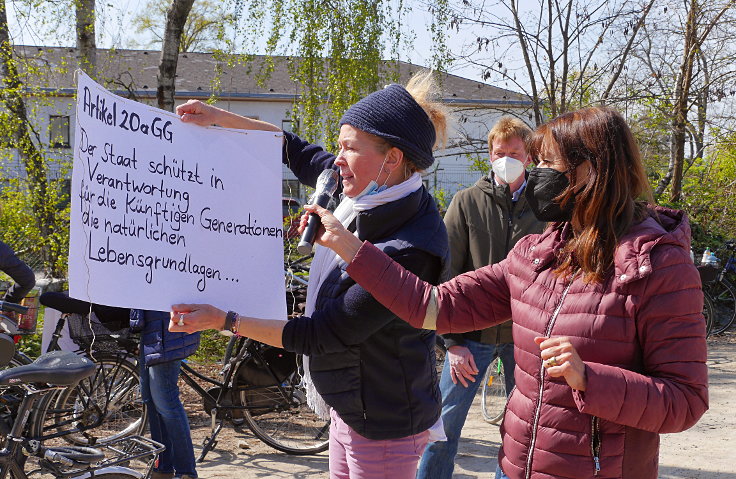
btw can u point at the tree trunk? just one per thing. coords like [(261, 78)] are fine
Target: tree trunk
[(86, 44), (176, 17), (18, 129), (680, 106)]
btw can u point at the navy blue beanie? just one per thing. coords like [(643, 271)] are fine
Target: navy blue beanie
[(394, 115)]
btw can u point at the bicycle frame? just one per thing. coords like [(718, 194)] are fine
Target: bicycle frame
[(17, 445), (227, 385)]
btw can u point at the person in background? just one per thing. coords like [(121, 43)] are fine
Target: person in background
[(22, 275), (607, 308), (373, 375), (483, 223), (161, 352)]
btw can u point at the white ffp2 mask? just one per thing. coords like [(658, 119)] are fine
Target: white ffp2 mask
[(507, 169)]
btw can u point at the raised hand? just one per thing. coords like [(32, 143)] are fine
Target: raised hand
[(199, 113)]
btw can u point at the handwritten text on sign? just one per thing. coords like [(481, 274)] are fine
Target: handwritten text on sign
[(165, 212)]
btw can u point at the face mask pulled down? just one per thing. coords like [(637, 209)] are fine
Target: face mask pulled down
[(542, 187), (507, 169), (372, 188)]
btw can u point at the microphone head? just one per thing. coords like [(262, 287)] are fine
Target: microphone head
[(327, 182)]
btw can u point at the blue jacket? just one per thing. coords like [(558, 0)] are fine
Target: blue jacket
[(159, 344), (378, 374)]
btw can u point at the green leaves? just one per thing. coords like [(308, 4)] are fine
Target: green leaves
[(335, 52)]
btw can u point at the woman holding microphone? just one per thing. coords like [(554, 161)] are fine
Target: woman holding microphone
[(371, 372)]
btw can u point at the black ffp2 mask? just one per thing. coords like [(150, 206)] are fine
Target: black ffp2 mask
[(542, 187)]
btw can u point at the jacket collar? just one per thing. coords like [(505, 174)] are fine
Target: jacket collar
[(632, 258), (381, 221), (502, 193)]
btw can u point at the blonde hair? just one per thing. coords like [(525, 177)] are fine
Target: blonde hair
[(509, 127), (424, 89)]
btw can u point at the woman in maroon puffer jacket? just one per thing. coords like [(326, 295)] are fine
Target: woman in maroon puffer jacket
[(606, 305)]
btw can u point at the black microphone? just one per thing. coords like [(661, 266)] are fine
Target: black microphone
[(326, 187)]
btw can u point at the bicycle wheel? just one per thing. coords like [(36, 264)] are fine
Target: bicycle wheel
[(102, 408), (723, 295), (493, 395), (440, 351), (281, 418), (11, 397), (708, 313), (12, 470)]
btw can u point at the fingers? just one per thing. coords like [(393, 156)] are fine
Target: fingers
[(191, 106), (194, 111), (318, 210), (189, 318), (471, 364), (462, 365), (560, 359), (457, 374)]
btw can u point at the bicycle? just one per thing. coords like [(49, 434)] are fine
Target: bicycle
[(708, 274), (722, 293), (38, 380), (262, 385), (493, 394), (107, 405)]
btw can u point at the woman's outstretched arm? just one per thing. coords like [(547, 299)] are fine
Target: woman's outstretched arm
[(469, 302)]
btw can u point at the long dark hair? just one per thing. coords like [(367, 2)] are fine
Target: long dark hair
[(607, 205)]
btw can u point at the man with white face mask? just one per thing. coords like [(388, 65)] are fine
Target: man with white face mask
[(483, 223)]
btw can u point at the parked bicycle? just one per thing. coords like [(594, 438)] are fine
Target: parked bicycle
[(721, 291), (107, 405), (493, 394), (24, 453), (708, 274), (262, 385)]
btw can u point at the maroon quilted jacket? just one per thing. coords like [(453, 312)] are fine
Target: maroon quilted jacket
[(640, 333)]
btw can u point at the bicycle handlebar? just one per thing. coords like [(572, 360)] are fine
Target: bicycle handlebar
[(17, 308)]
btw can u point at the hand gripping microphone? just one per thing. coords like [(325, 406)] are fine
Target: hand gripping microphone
[(326, 187)]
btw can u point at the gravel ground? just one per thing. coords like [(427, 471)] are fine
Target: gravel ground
[(703, 452)]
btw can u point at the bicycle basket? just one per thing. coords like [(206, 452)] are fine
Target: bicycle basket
[(90, 334), (27, 321), (708, 273)]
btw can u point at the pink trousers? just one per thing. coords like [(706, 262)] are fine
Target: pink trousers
[(354, 457)]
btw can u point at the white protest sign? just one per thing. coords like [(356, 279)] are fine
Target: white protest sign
[(165, 212)]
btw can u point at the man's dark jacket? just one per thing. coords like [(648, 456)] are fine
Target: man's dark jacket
[(483, 224)]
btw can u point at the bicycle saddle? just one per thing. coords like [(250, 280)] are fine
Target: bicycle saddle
[(60, 368), (64, 303), (113, 317)]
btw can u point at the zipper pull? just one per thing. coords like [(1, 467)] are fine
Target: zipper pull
[(597, 465)]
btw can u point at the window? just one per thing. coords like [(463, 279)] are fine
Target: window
[(291, 188), (288, 125), (59, 131)]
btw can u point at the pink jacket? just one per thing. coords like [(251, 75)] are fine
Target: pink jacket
[(641, 335)]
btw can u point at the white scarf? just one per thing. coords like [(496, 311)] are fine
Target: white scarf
[(325, 260)]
